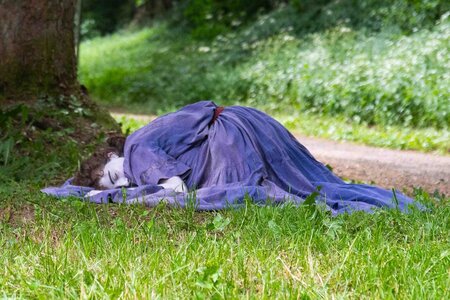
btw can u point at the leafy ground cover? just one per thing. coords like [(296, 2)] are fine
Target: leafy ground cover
[(46, 138), (375, 77)]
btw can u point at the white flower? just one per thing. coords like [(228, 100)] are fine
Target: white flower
[(204, 49)]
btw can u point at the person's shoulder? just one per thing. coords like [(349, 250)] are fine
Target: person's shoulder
[(184, 118)]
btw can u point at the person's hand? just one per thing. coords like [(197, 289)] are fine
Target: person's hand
[(93, 193), (175, 183)]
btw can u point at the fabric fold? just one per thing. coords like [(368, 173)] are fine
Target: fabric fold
[(243, 153)]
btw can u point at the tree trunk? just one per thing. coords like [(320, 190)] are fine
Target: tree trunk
[(78, 20), (37, 52), (39, 91)]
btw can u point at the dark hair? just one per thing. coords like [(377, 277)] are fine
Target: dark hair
[(91, 170)]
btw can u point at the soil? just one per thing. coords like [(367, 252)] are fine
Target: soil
[(403, 170)]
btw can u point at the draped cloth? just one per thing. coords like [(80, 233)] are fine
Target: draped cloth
[(224, 158)]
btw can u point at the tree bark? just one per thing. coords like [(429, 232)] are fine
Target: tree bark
[(78, 20), (41, 100), (37, 48)]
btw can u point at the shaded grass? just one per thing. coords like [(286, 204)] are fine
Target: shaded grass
[(68, 248), (46, 138)]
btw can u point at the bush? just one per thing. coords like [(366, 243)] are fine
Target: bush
[(100, 17), (373, 78), (274, 63), (209, 18), (406, 15)]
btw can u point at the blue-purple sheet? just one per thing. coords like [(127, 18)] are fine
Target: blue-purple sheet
[(244, 152)]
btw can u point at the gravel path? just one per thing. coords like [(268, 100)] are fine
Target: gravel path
[(384, 167)]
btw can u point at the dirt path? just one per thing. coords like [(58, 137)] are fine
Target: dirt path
[(384, 167)]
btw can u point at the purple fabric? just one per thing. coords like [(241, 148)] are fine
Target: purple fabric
[(243, 153)]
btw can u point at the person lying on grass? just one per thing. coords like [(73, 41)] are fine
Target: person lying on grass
[(105, 169), (225, 153)]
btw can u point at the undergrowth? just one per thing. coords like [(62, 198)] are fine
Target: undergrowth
[(374, 76), (45, 139)]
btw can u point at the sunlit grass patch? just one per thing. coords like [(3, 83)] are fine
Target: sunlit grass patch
[(396, 137), (69, 248)]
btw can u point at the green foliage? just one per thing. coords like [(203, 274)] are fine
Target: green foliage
[(209, 18), (405, 16), (122, 69), (100, 17), (397, 137), (369, 78), (373, 78), (44, 141)]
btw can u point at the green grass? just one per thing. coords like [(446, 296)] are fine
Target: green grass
[(382, 88), (54, 249), (396, 137)]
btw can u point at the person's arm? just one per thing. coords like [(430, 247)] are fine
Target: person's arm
[(175, 183), (151, 165)]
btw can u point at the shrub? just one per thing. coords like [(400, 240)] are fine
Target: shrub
[(209, 18), (406, 15), (374, 77), (371, 78)]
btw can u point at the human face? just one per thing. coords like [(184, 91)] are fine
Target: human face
[(113, 175)]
